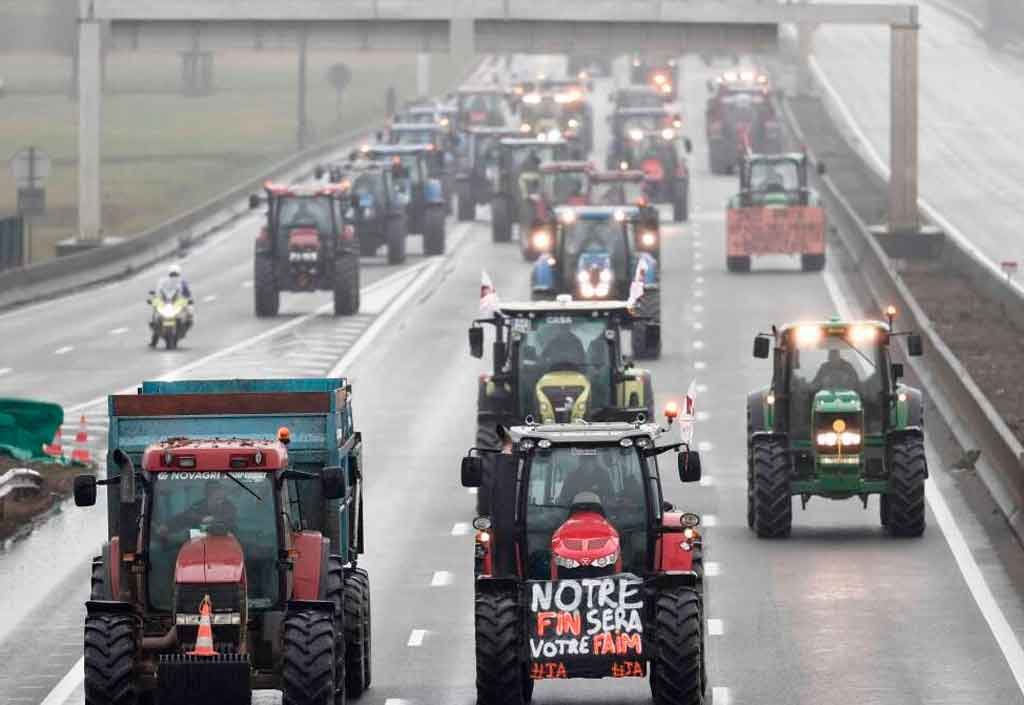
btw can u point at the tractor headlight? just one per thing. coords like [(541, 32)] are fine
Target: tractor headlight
[(525, 128), (648, 239), (605, 276), (368, 212), (808, 335), (574, 123), (668, 133), (605, 561), (636, 135), (541, 240), (563, 562), (666, 88)]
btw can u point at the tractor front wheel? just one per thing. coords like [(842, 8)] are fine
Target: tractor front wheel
[(397, 233), (676, 671), (467, 206), (433, 231), (264, 286), (308, 665), (501, 224), (357, 631), (346, 285), (501, 678), (904, 505), (110, 646), (773, 504), (681, 204)]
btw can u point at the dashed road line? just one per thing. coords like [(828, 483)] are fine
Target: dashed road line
[(716, 627), (461, 528), (709, 520), (698, 345), (697, 325), (64, 350), (700, 365), (209, 298), (416, 637), (119, 331), (5, 371), (705, 446), (720, 695), (712, 569), (442, 578)]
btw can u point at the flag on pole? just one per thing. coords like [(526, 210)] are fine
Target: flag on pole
[(636, 287), (488, 295)]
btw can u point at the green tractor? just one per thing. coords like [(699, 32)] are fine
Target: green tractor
[(836, 422)]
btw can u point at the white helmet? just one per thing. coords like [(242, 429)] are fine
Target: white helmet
[(174, 270)]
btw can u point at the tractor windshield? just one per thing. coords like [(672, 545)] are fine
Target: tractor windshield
[(564, 360), (639, 99), (588, 239), (305, 212), (557, 475), (370, 185), (412, 136), (779, 175), (616, 193), (530, 158), (835, 363), (189, 506), (565, 187), (483, 103)]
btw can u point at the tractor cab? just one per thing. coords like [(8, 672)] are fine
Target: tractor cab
[(624, 187), (434, 136), (840, 419), (414, 185), (307, 244), (478, 167), (741, 119), (583, 562), (636, 97), (559, 110), (560, 361), (519, 162), (480, 106), (777, 179), (559, 184), (649, 140)]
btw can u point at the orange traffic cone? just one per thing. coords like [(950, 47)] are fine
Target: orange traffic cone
[(81, 451), (56, 448), (204, 637)]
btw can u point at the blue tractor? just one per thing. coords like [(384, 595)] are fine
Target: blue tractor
[(424, 195)]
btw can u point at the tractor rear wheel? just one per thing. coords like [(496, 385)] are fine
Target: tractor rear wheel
[(467, 206), (681, 205), (812, 263), (98, 581), (336, 594), (501, 678), (501, 223), (433, 231), (737, 264), (883, 509), (110, 645), (773, 504), (648, 305), (308, 665), (676, 672), (357, 631), (346, 285), (907, 472), (397, 233), (264, 286), (368, 246)]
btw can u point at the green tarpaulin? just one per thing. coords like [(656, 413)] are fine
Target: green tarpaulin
[(27, 426)]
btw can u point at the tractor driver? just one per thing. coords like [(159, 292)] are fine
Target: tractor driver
[(214, 507), (590, 475), (836, 373)]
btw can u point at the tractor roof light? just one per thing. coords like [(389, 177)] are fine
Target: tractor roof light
[(659, 78), (620, 216), (862, 334), (808, 335), (671, 411), (532, 99), (636, 135), (668, 133), (541, 240), (624, 166), (284, 435), (568, 217), (525, 127)]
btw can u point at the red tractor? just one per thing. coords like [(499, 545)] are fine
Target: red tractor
[(559, 184), (741, 119), (583, 570), (306, 245)]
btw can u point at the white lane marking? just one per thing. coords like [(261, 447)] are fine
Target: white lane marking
[(709, 520), (720, 695), (712, 568), (698, 308), (698, 293), (416, 638), (699, 280), (716, 627), (471, 490), (697, 325), (118, 331), (5, 371), (396, 701), (706, 481), (442, 578), (64, 350), (67, 685), (461, 528), (705, 446), (703, 415), (209, 298), (702, 389), (247, 284), (698, 345), (700, 365), (1004, 635), (698, 267)]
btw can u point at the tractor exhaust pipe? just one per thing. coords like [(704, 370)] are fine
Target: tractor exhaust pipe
[(128, 526), (161, 643)]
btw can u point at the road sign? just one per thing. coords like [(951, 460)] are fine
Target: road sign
[(30, 167)]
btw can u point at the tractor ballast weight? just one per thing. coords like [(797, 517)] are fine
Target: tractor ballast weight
[(424, 195), (232, 559), (776, 212), (574, 584), (306, 244), (836, 422)]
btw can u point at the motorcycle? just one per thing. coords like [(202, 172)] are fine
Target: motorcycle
[(171, 317)]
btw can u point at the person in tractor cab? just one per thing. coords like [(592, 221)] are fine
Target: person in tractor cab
[(305, 213), (770, 177), (213, 508), (564, 349), (589, 476), (837, 373)]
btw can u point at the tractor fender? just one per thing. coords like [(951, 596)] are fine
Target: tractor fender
[(311, 606), (650, 268), (908, 412), (491, 586), (674, 578), (433, 192), (670, 556), (542, 278), (758, 415), (310, 568), (95, 607)]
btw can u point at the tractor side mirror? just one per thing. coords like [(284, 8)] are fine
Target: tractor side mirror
[(652, 336), (333, 482), (821, 168), (472, 471), (318, 172), (476, 341), (689, 466), (688, 145), (85, 490), (254, 202), (897, 370), (762, 346), (915, 345)]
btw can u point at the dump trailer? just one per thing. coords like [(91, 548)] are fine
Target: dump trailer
[(235, 522)]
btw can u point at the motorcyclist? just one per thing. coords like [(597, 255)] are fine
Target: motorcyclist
[(174, 279)]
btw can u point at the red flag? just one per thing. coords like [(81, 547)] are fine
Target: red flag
[(636, 288), (488, 294)]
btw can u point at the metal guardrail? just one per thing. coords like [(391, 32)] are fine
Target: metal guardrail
[(19, 479), (967, 411)]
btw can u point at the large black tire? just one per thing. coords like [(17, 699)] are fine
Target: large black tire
[(648, 305), (308, 665), (110, 645), (336, 594), (433, 231), (397, 233), (266, 296), (171, 339), (357, 631), (467, 206), (676, 672), (681, 205), (737, 264), (368, 246), (773, 503), (501, 678), (501, 222), (812, 263), (346, 285), (908, 469), (486, 437), (98, 588)]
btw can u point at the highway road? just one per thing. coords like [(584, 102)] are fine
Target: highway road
[(971, 100), (838, 614)]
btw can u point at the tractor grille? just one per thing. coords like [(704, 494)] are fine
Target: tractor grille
[(580, 544), (562, 400), (225, 598)]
